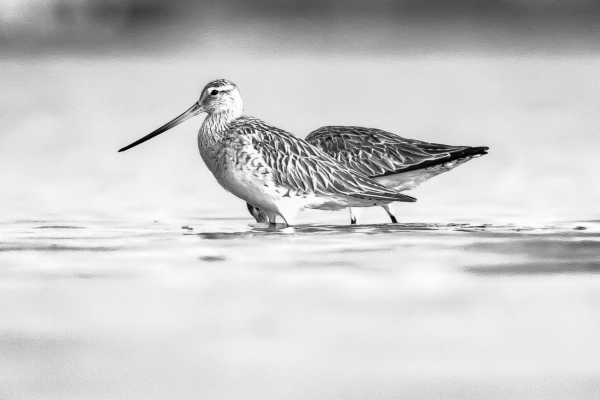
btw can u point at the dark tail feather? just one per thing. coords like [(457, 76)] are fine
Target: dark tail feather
[(454, 155)]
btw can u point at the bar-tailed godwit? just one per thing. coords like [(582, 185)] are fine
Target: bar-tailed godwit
[(391, 160), (268, 167)]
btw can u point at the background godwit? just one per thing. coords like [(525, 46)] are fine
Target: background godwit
[(395, 162)]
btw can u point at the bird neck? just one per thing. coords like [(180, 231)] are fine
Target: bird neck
[(217, 122)]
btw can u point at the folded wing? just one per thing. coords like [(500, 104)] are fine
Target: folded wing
[(303, 167), (378, 153)]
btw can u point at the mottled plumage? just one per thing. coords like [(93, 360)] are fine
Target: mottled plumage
[(378, 153), (396, 162), (281, 173), (296, 165), (270, 168)]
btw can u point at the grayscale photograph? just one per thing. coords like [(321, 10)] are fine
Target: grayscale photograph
[(299, 199)]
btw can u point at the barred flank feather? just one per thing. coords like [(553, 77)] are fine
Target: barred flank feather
[(300, 166)]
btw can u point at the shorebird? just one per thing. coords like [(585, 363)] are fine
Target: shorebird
[(268, 167), (391, 160)]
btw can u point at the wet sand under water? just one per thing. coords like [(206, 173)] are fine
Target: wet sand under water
[(220, 309)]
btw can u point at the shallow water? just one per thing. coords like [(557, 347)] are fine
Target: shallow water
[(224, 309)]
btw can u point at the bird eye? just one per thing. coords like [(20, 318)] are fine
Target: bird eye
[(214, 93)]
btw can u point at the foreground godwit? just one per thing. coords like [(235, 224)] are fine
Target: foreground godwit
[(395, 162), (268, 167)]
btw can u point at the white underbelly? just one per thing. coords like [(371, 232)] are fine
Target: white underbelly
[(255, 185), (251, 187), (263, 192)]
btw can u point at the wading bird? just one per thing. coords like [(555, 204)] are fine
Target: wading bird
[(268, 167), (391, 160)]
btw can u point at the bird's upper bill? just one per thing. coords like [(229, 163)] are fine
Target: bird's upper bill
[(218, 96)]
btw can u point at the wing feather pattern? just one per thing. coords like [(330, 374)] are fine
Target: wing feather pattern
[(300, 166), (376, 153)]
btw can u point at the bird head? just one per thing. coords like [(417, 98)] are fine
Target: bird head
[(218, 97)]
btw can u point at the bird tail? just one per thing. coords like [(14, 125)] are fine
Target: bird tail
[(470, 152)]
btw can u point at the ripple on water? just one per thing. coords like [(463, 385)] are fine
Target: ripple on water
[(59, 227), (54, 247), (542, 267), (377, 229)]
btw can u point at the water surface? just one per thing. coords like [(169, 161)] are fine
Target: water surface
[(224, 309)]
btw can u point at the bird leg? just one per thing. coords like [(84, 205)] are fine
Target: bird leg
[(272, 218), (265, 216), (387, 209), (352, 217)]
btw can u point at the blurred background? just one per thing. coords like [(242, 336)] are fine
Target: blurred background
[(82, 78), (136, 276)]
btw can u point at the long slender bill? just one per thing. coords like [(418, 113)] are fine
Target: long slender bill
[(191, 112)]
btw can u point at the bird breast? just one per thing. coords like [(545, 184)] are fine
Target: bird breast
[(239, 168)]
